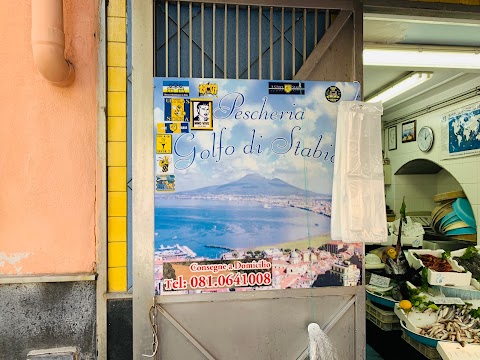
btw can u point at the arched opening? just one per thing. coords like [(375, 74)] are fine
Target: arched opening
[(421, 181), (419, 166)]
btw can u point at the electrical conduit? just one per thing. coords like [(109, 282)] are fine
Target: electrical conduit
[(48, 42)]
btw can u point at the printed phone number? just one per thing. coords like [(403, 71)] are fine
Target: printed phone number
[(222, 280)]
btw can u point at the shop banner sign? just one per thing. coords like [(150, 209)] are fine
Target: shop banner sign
[(460, 133), (243, 186)]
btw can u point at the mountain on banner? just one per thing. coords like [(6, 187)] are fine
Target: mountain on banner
[(255, 185)]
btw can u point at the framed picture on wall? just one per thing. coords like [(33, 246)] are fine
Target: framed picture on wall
[(392, 138), (409, 131)]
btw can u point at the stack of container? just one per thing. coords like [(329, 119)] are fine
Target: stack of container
[(384, 319), (453, 216)]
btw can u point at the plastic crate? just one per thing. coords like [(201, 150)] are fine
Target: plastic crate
[(382, 325), (384, 316), (427, 351)]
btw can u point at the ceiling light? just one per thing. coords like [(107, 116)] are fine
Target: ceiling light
[(395, 89), (422, 57)]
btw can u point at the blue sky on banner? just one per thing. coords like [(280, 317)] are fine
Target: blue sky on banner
[(309, 123)]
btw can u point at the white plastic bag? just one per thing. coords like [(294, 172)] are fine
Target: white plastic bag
[(358, 194)]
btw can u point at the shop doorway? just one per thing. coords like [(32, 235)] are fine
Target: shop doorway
[(280, 45)]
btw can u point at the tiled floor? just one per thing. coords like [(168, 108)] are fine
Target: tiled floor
[(372, 354)]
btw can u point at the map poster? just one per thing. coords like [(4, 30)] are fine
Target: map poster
[(460, 133), (243, 186)]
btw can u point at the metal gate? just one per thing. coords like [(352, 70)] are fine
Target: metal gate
[(315, 40), (277, 41)]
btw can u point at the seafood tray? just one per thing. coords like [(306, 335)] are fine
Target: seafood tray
[(475, 269), (425, 340), (452, 323), (382, 325), (427, 351), (414, 320), (457, 277), (383, 316)]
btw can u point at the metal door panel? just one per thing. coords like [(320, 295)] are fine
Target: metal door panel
[(255, 329)]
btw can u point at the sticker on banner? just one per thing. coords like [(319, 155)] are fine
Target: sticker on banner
[(164, 183), (202, 114), (333, 94), (176, 88), (173, 128), (164, 164), (164, 144), (286, 88), (177, 109), (208, 89)]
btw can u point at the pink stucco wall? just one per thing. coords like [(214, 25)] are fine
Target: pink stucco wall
[(48, 139)]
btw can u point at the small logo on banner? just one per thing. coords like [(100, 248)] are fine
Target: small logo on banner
[(333, 94), (164, 164), (208, 89), (177, 109), (286, 88), (173, 128), (176, 88), (165, 183), (164, 144)]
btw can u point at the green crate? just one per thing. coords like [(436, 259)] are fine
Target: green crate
[(385, 316), (383, 325)]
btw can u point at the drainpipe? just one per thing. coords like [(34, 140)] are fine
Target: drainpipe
[(48, 42)]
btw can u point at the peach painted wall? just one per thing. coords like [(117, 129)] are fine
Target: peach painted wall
[(48, 142)]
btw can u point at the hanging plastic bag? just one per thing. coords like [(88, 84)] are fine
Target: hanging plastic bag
[(358, 194)]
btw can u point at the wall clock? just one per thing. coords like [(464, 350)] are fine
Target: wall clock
[(392, 138), (425, 138)]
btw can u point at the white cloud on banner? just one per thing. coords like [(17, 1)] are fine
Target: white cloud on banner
[(158, 115)]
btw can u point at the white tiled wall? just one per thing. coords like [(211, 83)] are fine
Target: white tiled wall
[(417, 189), (457, 174), (446, 182)]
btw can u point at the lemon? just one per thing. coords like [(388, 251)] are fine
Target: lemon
[(405, 305), (392, 253)]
